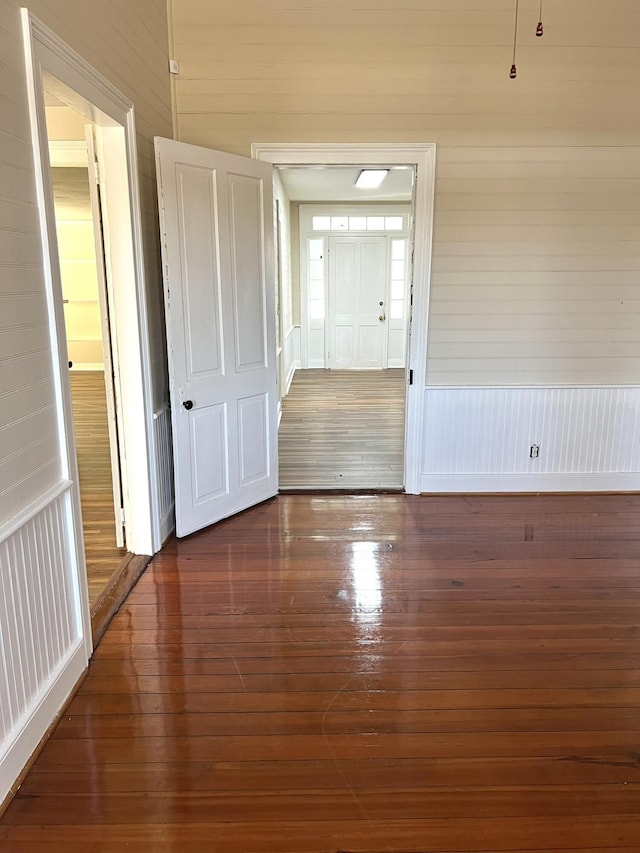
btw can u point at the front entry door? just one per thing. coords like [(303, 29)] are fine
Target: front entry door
[(217, 244), (356, 311)]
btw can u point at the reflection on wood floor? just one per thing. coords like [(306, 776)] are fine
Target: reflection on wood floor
[(361, 673), (343, 429), (94, 464)]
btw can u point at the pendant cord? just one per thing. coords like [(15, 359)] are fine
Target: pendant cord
[(514, 71), (540, 27)]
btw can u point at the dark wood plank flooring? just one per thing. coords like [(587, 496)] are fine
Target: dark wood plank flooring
[(343, 429), (344, 673), (103, 557)]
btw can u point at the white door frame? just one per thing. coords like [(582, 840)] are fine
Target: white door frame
[(113, 115), (422, 157)]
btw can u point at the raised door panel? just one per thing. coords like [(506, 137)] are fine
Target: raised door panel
[(210, 463), (253, 439), (198, 223), (247, 271)]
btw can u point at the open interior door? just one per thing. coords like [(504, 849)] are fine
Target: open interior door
[(111, 368), (216, 217)]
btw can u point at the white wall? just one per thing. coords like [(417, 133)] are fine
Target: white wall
[(43, 639)]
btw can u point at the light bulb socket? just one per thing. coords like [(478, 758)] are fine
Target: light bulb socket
[(514, 72), (540, 29)]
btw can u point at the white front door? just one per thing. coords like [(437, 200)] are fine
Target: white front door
[(357, 297), (217, 242)]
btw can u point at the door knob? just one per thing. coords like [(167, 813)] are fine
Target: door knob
[(382, 318), (188, 404)]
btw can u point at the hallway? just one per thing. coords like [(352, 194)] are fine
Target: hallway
[(345, 673), (343, 429)]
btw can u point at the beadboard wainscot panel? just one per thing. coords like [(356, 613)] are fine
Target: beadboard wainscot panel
[(42, 648), (479, 439), (164, 462)]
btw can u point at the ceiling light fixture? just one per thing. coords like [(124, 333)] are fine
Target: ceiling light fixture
[(370, 179)]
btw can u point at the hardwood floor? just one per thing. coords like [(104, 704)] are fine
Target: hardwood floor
[(340, 673), (94, 469), (343, 429)]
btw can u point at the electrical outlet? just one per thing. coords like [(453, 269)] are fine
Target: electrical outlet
[(534, 451)]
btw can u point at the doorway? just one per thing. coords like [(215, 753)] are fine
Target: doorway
[(343, 409), (92, 357), (421, 158)]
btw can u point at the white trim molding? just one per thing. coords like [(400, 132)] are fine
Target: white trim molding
[(508, 439), (422, 156)]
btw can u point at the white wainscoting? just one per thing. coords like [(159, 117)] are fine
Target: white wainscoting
[(42, 648), (164, 463), (292, 356), (479, 439)]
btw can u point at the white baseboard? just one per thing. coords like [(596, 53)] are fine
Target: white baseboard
[(609, 482), (39, 718), (290, 374)]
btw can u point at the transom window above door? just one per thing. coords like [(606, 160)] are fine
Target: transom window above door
[(359, 223)]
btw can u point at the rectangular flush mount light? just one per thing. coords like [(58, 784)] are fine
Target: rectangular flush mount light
[(369, 179)]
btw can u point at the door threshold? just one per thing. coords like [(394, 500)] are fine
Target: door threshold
[(327, 490), (115, 593)]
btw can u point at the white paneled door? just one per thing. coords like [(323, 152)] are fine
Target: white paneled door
[(357, 300), (217, 238)]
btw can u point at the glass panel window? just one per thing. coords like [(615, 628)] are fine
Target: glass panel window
[(393, 223), (397, 249), (316, 269), (316, 248), (316, 309), (396, 309), (321, 223), (316, 289), (397, 270), (339, 223), (375, 223), (357, 223), (397, 290)]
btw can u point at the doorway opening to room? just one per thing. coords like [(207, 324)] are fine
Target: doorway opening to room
[(92, 355), (344, 297)]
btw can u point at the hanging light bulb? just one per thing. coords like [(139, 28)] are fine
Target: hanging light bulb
[(513, 73), (540, 27)]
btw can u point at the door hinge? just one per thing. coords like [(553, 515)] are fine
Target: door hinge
[(122, 517), (411, 376), (95, 171)]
